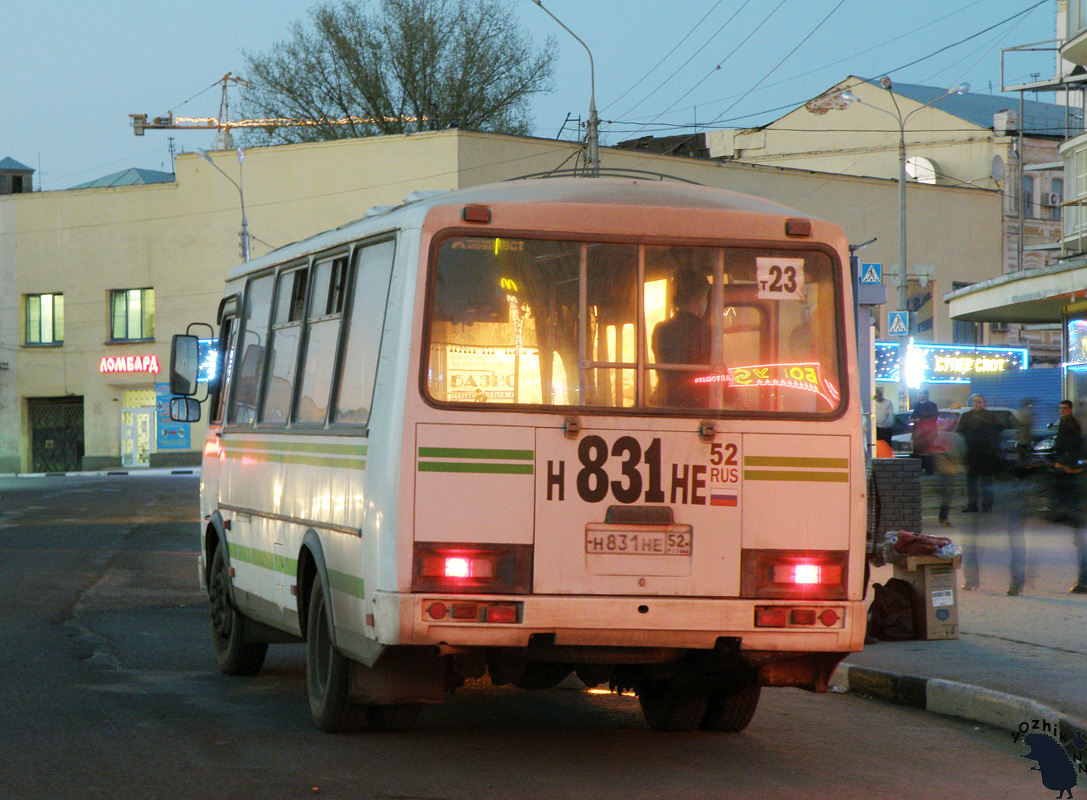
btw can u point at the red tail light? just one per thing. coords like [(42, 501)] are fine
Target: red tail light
[(475, 568), (787, 574)]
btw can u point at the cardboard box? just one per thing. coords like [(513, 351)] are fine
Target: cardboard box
[(936, 583)]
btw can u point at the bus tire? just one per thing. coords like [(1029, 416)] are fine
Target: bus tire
[(235, 655), (732, 711), (669, 706), (328, 673)]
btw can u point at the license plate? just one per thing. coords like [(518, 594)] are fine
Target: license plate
[(607, 540)]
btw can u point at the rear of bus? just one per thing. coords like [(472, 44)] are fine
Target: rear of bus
[(683, 521)]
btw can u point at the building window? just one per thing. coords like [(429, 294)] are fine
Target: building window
[(44, 319), (132, 315), (1028, 196), (1058, 196)]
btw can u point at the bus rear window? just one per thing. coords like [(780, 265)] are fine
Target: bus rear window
[(633, 326)]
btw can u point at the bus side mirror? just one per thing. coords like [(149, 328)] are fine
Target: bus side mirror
[(184, 361), (184, 409)]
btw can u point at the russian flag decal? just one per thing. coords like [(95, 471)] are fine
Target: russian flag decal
[(719, 498)]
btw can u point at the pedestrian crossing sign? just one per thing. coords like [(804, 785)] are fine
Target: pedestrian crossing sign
[(871, 273), (898, 323)]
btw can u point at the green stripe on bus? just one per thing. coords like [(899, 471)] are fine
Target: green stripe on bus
[(259, 558), (793, 475), (473, 452), (465, 466), (339, 581), (348, 584), (304, 460), (296, 447), (302, 454), (795, 461)]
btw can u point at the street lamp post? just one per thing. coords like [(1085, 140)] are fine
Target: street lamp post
[(902, 277), (241, 194), (592, 135)]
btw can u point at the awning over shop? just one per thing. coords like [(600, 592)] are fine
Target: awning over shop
[(1034, 296)]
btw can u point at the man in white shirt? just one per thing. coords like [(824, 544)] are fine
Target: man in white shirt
[(884, 411)]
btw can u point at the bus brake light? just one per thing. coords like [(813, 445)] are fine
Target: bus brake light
[(782, 574), (482, 568)]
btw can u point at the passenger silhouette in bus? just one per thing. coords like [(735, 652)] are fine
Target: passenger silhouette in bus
[(684, 338)]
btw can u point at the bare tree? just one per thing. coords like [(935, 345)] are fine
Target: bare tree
[(406, 66)]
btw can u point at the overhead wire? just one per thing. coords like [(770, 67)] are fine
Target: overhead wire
[(785, 58), (891, 71), (696, 52), (665, 57), (745, 40)]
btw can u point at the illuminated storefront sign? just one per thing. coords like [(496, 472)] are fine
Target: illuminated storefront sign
[(944, 363), (129, 364)]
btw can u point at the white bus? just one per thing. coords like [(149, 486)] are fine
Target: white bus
[(595, 426)]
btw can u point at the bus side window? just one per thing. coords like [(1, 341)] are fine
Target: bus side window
[(283, 352), (362, 338), (228, 338), (319, 347), (254, 340)]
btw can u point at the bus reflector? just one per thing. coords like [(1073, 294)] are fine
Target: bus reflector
[(771, 616), (802, 616), (793, 617), (465, 611), (505, 613)]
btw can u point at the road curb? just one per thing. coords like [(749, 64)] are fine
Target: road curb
[(106, 473), (950, 698)]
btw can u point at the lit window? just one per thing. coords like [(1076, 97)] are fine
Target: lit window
[(45, 319), (132, 314)]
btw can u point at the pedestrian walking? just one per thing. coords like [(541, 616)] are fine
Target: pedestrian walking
[(1019, 490), (924, 416), (1065, 501), (884, 411), (947, 462), (980, 429)]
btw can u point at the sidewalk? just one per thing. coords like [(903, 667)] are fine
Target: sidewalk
[(1017, 659)]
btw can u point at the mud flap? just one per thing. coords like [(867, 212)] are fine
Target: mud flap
[(400, 675), (809, 671)]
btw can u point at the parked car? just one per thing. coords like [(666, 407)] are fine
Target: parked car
[(1043, 439), (947, 419)]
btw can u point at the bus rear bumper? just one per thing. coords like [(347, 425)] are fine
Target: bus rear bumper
[(465, 621)]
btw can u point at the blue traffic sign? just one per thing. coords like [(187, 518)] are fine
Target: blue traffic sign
[(871, 273), (898, 323)]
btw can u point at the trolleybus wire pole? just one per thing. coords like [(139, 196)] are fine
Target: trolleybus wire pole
[(592, 136)]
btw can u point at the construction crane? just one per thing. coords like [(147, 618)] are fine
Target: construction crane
[(223, 124)]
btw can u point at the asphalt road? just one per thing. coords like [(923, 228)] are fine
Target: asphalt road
[(109, 690)]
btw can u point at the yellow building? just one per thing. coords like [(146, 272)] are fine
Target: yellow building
[(95, 281)]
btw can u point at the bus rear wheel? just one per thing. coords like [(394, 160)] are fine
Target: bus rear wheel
[(671, 706), (731, 711), (328, 673), (235, 655)]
